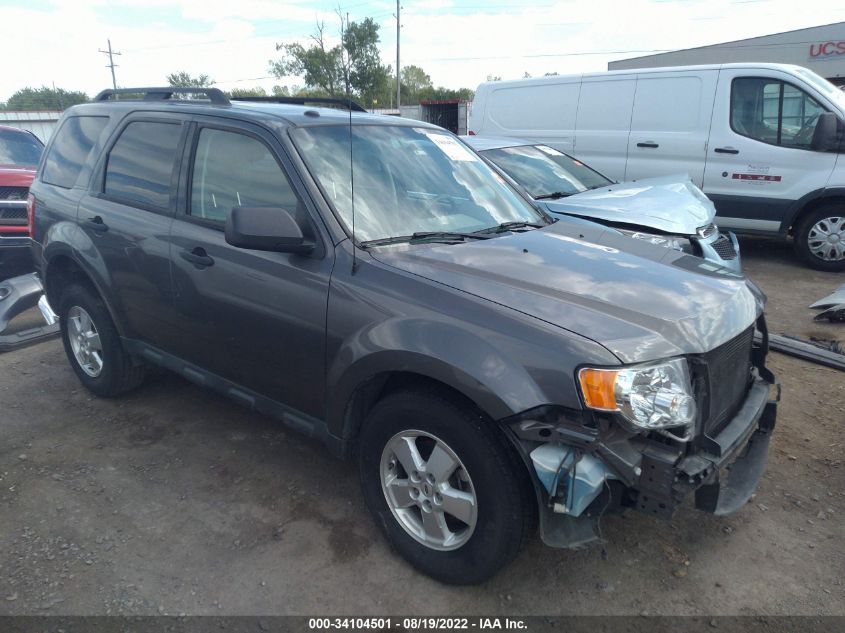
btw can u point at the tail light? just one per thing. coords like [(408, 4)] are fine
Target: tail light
[(471, 133), (30, 214)]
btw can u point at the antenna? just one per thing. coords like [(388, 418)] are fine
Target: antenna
[(351, 162)]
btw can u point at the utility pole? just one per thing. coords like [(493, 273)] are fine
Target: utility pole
[(398, 82), (111, 63)]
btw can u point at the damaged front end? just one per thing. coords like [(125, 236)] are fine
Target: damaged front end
[(701, 424)]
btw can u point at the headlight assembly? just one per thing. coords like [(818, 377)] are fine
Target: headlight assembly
[(650, 396)]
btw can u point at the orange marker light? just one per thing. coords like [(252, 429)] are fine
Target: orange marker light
[(597, 385)]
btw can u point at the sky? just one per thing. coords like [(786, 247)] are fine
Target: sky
[(459, 43)]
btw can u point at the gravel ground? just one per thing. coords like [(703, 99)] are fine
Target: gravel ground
[(174, 500)]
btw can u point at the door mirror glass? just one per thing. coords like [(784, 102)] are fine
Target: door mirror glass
[(266, 229), (824, 136)]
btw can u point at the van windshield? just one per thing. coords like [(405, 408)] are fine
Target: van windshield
[(408, 180), (828, 89), (545, 172)]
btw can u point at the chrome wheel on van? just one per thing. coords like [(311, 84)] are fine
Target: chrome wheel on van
[(428, 490), (826, 239), (85, 341)]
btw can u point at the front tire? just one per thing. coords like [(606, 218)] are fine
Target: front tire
[(93, 345), (820, 238), (449, 493)]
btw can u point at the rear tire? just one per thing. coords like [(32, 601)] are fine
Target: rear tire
[(93, 345), (820, 238), (488, 487)]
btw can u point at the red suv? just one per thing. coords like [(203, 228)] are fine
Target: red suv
[(20, 152)]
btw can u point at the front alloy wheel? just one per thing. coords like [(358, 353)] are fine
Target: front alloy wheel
[(428, 490), (826, 239)]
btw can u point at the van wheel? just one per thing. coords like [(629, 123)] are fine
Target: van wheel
[(448, 492), (93, 345), (820, 238)]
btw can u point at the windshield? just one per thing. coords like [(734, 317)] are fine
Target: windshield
[(544, 171), (824, 86), (408, 180), (19, 148)]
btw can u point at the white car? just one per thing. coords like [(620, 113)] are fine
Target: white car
[(669, 211)]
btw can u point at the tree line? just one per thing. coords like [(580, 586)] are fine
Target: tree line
[(351, 67)]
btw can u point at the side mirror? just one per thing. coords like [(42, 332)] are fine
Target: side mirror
[(266, 229), (824, 136)]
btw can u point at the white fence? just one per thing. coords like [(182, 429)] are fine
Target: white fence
[(39, 122)]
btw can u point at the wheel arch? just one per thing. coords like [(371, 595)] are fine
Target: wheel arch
[(810, 203)]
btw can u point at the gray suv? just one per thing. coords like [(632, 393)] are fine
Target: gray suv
[(372, 283)]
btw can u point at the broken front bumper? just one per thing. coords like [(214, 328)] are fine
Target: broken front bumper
[(16, 296)]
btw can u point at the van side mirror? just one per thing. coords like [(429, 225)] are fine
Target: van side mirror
[(824, 136), (266, 229)]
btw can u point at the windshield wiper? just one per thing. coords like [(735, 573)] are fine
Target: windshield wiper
[(509, 226), (444, 236), (554, 195)]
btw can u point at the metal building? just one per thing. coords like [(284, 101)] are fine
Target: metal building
[(819, 48), (39, 122)]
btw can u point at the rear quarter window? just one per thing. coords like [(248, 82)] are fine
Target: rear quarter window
[(140, 164), (70, 149)]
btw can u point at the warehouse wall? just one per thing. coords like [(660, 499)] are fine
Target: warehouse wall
[(40, 123)]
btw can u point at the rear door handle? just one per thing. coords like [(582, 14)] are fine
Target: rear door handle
[(648, 144), (198, 256), (96, 224), (726, 150)]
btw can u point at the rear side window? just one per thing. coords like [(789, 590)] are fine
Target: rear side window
[(71, 148), (235, 170), (773, 112), (140, 164)]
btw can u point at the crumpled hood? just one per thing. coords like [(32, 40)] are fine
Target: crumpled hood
[(11, 176), (641, 301), (672, 204)]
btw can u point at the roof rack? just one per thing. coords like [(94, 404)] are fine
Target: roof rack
[(215, 95), (347, 104)]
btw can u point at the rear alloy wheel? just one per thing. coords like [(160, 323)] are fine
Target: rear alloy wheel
[(449, 492), (820, 238), (93, 345)]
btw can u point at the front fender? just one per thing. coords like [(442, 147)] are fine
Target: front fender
[(441, 351)]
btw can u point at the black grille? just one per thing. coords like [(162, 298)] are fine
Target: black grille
[(728, 379), (724, 247), (13, 193), (13, 215)]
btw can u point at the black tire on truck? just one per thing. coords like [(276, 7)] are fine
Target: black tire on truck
[(452, 497)]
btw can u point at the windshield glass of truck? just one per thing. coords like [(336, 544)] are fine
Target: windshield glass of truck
[(19, 148), (544, 171), (407, 180)]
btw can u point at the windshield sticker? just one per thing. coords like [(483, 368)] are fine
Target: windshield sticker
[(551, 151), (452, 148)]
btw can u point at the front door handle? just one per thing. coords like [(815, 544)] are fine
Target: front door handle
[(726, 150), (96, 224), (650, 144), (198, 257)]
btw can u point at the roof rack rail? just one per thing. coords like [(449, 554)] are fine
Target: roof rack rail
[(215, 95), (346, 103)]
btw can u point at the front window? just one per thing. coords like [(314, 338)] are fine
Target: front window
[(407, 180), (774, 112), (19, 148), (545, 172)]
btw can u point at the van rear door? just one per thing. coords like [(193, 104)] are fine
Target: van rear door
[(670, 124), (759, 160)]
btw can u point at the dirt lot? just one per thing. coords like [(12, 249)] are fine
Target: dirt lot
[(174, 500)]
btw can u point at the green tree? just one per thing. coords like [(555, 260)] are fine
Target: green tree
[(258, 91), (414, 79), (354, 65), (44, 98), (183, 79)]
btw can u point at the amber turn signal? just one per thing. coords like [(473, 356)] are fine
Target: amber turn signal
[(598, 386)]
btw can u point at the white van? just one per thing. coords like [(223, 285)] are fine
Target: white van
[(764, 141)]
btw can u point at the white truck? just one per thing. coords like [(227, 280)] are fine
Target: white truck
[(764, 141)]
